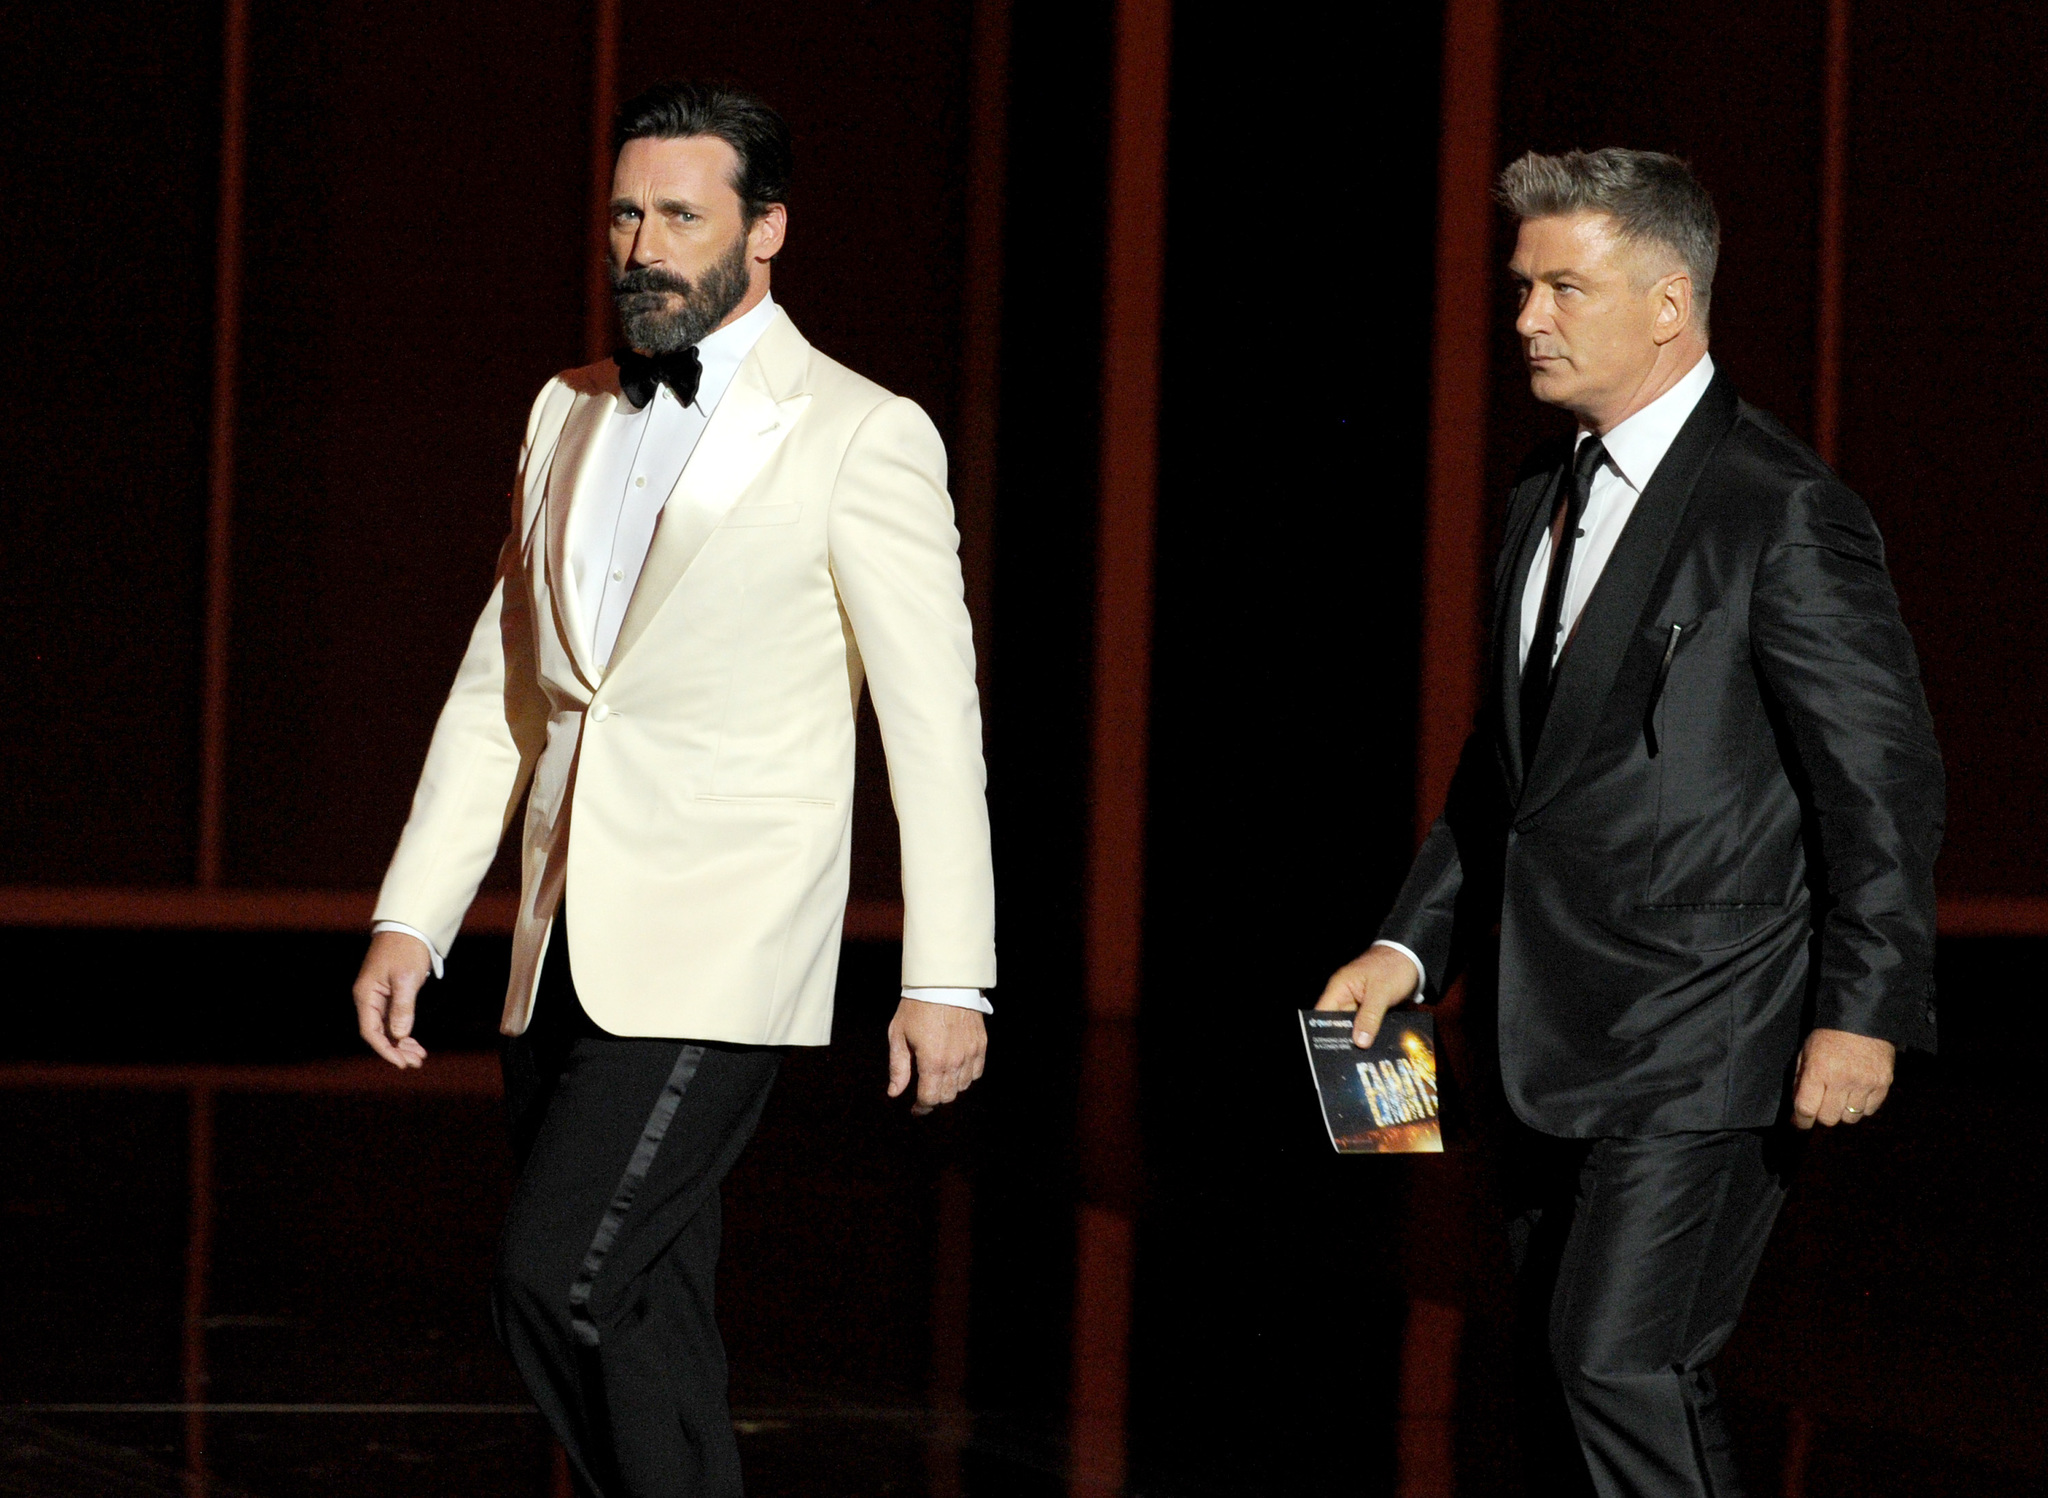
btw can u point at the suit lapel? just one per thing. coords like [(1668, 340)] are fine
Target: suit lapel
[(1585, 674), (1525, 526), (568, 476), (753, 418)]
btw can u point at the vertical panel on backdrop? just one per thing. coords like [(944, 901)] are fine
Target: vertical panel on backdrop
[(104, 491), (414, 256)]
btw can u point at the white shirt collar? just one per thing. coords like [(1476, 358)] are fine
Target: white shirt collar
[(1636, 446), (722, 352)]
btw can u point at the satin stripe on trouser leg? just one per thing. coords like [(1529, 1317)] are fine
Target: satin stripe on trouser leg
[(1651, 1246), (606, 1272)]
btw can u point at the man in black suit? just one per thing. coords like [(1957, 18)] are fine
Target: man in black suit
[(1702, 805)]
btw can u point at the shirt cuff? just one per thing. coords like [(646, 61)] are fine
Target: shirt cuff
[(1421, 973), (959, 998), (434, 956)]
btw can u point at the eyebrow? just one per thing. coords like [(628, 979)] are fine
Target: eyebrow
[(665, 205)]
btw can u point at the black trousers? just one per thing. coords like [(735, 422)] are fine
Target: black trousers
[(605, 1273), (1633, 1257)]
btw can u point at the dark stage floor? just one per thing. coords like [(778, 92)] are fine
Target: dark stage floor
[(295, 1289), (332, 1226), (1895, 1344), (69, 1453)]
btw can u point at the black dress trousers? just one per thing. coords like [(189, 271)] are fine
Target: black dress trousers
[(1633, 1257), (604, 1287)]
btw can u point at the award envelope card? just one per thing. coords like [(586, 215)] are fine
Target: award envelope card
[(1381, 1100)]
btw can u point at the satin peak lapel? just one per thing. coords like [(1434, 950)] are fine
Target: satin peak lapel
[(547, 447), (1524, 530), (568, 477), (1586, 672), (742, 435)]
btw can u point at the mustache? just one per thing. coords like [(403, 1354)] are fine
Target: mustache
[(643, 280)]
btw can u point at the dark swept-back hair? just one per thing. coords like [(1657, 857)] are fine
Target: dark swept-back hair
[(760, 137)]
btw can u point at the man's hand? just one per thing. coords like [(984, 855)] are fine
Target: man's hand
[(1371, 985), (393, 970), (1840, 1078), (946, 1045)]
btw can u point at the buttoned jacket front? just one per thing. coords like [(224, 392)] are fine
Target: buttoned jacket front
[(1726, 834), (694, 795)]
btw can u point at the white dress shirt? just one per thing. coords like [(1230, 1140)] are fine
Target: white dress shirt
[(637, 460), (1634, 450)]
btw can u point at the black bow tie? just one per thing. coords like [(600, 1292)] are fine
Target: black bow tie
[(640, 373)]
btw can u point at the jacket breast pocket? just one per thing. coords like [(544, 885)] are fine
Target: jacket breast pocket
[(1671, 639), (823, 801), (746, 515), (1702, 734)]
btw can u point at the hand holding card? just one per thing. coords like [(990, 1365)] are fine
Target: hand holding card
[(1380, 1099)]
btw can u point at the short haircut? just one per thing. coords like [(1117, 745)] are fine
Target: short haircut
[(757, 134), (1652, 198)]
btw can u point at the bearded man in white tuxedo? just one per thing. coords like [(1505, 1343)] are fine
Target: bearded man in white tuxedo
[(717, 540)]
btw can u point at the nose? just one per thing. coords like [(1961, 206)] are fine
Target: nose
[(1535, 314), (644, 252)]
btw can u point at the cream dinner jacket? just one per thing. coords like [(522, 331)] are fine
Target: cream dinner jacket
[(708, 769)]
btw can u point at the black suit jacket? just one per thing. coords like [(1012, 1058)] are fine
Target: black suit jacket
[(1728, 832)]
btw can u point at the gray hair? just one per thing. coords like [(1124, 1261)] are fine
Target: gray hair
[(1653, 198)]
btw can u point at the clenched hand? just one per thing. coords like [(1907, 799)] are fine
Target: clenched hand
[(946, 1046), (1840, 1078), (386, 990)]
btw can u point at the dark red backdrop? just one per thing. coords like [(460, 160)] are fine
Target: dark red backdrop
[(418, 186)]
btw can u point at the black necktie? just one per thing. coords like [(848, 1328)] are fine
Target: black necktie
[(1539, 674), (640, 373)]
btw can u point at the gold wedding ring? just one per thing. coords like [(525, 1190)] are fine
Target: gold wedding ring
[(1847, 1109)]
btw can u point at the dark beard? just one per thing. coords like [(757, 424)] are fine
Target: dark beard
[(642, 297)]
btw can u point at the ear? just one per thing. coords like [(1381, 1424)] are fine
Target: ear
[(764, 240), (1672, 298)]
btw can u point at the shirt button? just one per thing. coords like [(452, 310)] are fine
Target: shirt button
[(618, 574), (599, 713), (641, 482)]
